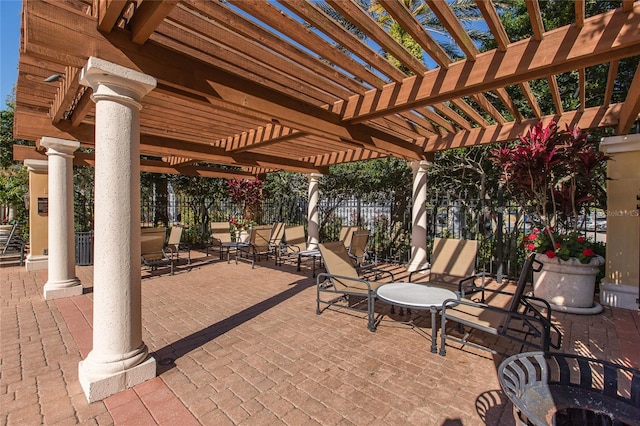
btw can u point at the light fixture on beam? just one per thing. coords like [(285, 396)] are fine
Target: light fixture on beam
[(53, 77)]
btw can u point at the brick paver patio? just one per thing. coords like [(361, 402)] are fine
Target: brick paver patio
[(244, 346)]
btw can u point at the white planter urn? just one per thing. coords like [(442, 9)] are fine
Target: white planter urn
[(242, 236), (568, 285)]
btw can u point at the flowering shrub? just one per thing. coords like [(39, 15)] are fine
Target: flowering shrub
[(564, 246), (552, 174), (248, 195), (241, 223)]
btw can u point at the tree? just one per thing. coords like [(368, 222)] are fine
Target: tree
[(14, 179)]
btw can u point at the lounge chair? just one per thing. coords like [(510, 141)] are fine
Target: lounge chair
[(452, 264), (295, 242), (174, 244), (152, 251), (220, 234), (348, 290), (257, 246), (346, 233), (358, 248), (501, 315), (12, 245), (275, 239)]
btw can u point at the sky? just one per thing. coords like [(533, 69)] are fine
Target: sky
[(9, 47)]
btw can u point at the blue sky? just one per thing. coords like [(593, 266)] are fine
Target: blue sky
[(9, 46)]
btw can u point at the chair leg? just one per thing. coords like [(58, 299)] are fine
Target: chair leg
[(443, 336), (371, 313)]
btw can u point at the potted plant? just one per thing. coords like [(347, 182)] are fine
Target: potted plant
[(241, 226), (551, 175), (247, 194)]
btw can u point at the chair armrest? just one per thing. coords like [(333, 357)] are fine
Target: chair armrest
[(323, 276), (418, 270), (376, 271)]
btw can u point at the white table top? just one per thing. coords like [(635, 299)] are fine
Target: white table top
[(418, 296), (315, 253)]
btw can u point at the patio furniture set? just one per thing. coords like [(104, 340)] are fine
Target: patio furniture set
[(157, 250)]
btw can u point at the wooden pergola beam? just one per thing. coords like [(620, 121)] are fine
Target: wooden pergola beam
[(147, 17), (631, 106), (604, 38), (109, 11), (451, 22), (587, 119)]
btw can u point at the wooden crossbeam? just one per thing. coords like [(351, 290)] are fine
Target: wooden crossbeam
[(604, 38)]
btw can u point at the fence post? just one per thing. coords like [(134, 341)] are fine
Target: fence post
[(499, 236)]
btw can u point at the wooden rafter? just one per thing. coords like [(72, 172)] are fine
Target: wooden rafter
[(627, 5), (631, 106), (66, 94), (409, 23), (580, 11), (492, 19), (147, 17), (109, 11), (451, 22), (604, 38), (582, 88), (535, 17), (215, 11), (611, 80), (531, 99), (305, 37), (555, 93), (590, 118), (82, 108), (331, 28)]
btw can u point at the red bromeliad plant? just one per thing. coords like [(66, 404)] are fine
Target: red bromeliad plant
[(551, 174), (248, 195)]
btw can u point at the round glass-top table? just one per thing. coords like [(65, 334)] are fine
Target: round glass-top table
[(417, 296)]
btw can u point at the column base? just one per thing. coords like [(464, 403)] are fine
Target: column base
[(98, 387), (36, 263), (619, 295), (59, 289)]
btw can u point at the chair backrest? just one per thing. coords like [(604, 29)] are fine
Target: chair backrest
[(260, 237), (337, 262), (453, 259), (175, 235), (525, 274), (358, 247), (152, 241), (220, 232), (346, 233), (295, 237), (277, 233)]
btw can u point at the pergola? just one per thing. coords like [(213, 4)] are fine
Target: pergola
[(267, 86)]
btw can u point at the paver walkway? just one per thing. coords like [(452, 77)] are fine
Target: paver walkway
[(244, 346)]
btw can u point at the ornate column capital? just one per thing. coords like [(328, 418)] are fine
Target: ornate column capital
[(62, 147), (36, 165), (112, 81)]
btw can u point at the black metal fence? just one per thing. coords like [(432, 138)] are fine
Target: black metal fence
[(498, 226)]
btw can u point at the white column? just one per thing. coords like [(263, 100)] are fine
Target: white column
[(313, 215), (62, 280), (119, 358), (38, 258), (419, 216), (619, 287)]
